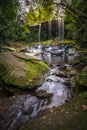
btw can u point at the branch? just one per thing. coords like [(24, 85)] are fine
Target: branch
[(68, 6)]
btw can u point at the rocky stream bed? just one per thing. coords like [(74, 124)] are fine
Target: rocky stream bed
[(55, 90)]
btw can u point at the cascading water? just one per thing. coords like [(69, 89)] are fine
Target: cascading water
[(59, 28), (53, 92), (39, 36), (62, 24), (49, 28)]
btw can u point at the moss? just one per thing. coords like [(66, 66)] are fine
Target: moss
[(21, 72), (3, 69), (81, 80), (33, 77), (35, 71)]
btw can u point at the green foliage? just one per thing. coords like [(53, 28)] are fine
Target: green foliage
[(80, 83), (10, 26), (38, 15), (76, 24), (8, 10), (20, 32)]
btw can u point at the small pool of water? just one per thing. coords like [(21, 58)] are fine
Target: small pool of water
[(51, 60)]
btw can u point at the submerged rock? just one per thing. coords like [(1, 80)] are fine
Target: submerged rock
[(42, 94), (61, 74)]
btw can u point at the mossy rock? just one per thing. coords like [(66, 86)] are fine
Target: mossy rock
[(21, 71), (81, 80)]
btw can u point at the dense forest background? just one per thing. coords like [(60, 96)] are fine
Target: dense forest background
[(16, 24), (43, 63)]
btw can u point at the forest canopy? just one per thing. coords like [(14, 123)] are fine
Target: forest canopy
[(12, 27)]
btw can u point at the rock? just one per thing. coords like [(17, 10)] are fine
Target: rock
[(53, 71), (67, 82), (15, 111), (53, 78), (64, 117), (42, 94), (73, 73), (21, 71), (61, 73), (57, 52), (23, 50), (71, 51), (84, 107)]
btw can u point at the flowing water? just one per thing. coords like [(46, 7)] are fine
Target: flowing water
[(50, 60), (62, 20), (49, 27), (39, 36), (52, 93), (59, 28)]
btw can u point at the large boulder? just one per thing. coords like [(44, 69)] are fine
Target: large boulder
[(22, 71)]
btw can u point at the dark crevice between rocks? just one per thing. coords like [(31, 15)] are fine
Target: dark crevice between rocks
[(12, 90)]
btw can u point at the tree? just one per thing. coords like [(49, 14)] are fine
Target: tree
[(76, 18), (42, 13), (10, 26)]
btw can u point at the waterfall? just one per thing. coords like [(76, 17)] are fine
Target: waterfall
[(39, 36), (49, 28), (59, 28), (62, 24)]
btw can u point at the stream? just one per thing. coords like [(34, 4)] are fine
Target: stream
[(55, 90)]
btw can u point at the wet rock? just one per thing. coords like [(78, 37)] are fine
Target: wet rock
[(23, 50), (67, 82), (57, 52), (61, 74), (49, 80), (71, 51), (54, 71), (42, 94), (41, 46), (54, 78), (68, 67), (63, 67), (73, 73)]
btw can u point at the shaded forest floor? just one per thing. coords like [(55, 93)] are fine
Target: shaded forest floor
[(71, 116)]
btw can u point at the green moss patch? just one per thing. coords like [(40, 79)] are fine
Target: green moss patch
[(20, 71), (81, 80)]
